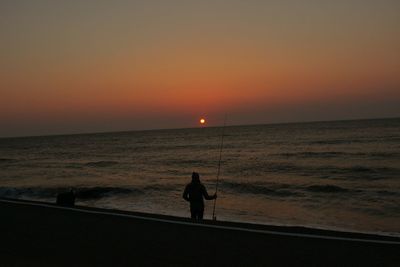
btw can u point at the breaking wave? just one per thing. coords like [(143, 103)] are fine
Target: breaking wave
[(84, 193), (99, 192)]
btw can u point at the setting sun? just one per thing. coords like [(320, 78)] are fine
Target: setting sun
[(202, 121)]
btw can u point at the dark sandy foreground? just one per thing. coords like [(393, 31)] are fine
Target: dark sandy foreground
[(47, 236)]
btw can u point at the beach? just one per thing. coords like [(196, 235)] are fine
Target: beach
[(275, 124), (40, 234)]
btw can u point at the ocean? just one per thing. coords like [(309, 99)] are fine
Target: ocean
[(342, 175)]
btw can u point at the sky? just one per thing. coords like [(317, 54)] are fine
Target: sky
[(96, 66)]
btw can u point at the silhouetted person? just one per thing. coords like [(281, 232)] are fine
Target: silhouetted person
[(194, 193)]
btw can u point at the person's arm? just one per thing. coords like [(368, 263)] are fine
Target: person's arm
[(207, 196), (186, 194)]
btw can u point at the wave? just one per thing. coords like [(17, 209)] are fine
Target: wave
[(100, 192), (313, 154), (6, 160), (366, 173), (341, 141), (384, 154), (84, 193), (253, 188), (388, 193), (326, 189), (362, 169), (161, 187), (101, 163), (254, 169), (335, 154), (282, 190)]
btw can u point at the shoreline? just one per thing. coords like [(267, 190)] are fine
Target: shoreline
[(328, 228), (290, 230), (37, 233)]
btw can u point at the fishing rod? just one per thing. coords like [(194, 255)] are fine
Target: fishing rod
[(219, 168)]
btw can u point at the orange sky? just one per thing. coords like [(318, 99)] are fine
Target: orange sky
[(102, 66)]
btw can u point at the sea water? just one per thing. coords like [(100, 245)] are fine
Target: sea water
[(336, 175)]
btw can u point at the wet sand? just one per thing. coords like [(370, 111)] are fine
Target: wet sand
[(33, 234)]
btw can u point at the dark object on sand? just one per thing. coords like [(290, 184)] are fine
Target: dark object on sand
[(66, 199)]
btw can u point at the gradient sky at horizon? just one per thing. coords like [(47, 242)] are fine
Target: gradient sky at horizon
[(88, 66)]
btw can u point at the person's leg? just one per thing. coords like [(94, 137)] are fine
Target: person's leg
[(193, 213), (200, 214), (197, 210)]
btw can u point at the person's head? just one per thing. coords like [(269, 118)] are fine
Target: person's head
[(195, 178)]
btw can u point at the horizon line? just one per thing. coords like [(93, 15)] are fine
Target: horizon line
[(199, 127)]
